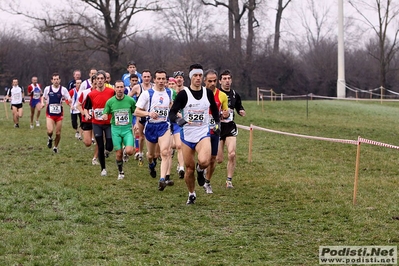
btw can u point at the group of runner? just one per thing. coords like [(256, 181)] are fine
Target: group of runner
[(168, 116)]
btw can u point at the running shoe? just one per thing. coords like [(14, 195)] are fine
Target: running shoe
[(121, 175), (16, 125), (161, 185), (200, 176), (31, 126), (55, 150), (229, 184), (137, 155), (77, 135), (191, 199), (181, 173), (208, 188), (153, 172), (169, 182), (93, 142), (125, 157), (104, 172), (50, 143), (106, 154), (94, 161), (37, 123)]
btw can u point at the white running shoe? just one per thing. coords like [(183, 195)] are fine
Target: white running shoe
[(94, 161), (229, 184), (31, 126), (125, 157), (136, 155), (121, 175), (37, 123), (208, 188), (103, 172), (77, 135)]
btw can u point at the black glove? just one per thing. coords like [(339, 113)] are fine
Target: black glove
[(23, 100), (216, 129), (8, 100), (181, 122)]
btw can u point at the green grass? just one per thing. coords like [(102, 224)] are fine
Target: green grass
[(295, 196)]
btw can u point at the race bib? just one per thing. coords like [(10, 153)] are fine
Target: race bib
[(196, 118), (98, 113), (36, 95), (162, 113), (211, 122), (230, 117), (121, 118), (55, 108)]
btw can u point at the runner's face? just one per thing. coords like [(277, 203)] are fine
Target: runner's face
[(171, 84), (56, 81), (146, 76), (34, 80), (196, 80), (92, 72), (78, 83), (160, 80), (132, 69), (14, 82), (225, 82), (179, 81), (211, 81), (77, 75), (108, 78), (119, 89), (100, 80), (133, 82)]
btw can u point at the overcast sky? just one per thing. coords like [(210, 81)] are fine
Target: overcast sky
[(294, 16)]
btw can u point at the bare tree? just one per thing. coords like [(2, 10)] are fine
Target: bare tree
[(277, 30), (387, 25), (97, 25), (188, 20), (235, 15)]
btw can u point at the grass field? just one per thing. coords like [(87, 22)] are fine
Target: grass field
[(295, 196)]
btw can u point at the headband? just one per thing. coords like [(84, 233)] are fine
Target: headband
[(195, 71), (178, 73)]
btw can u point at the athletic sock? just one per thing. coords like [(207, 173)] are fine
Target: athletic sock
[(229, 178), (120, 165)]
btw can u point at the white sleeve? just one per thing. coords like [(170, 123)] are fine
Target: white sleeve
[(65, 93), (45, 93), (143, 100)]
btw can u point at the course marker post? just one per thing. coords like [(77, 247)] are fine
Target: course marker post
[(356, 171), (5, 108), (251, 137)]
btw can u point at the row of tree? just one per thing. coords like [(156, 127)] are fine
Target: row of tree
[(104, 38)]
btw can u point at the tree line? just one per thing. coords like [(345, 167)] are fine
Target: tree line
[(77, 39)]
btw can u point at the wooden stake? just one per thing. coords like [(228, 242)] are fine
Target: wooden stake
[(356, 172)]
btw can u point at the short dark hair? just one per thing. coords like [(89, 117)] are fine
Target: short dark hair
[(55, 74), (119, 81), (225, 72), (101, 72), (131, 62), (146, 70), (160, 71), (195, 66), (93, 77), (133, 76)]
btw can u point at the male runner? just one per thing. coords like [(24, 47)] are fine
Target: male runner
[(36, 93), (154, 104), (229, 132), (121, 108), (195, 103), (53, 95)]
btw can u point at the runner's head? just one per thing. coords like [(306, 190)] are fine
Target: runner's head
[(195, 74), (211, 79), (225, 79)]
